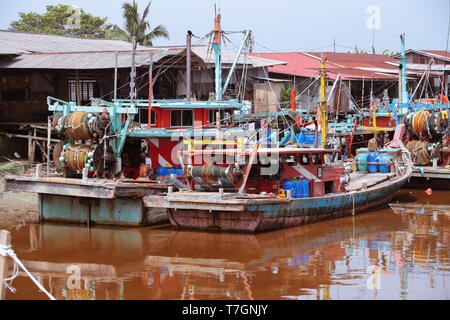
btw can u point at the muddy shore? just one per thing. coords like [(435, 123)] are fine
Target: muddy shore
[(17, 208)]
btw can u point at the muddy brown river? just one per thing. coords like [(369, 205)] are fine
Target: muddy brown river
[(390, 253)]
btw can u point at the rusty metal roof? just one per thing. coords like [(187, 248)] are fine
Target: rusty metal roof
[(350, 66)]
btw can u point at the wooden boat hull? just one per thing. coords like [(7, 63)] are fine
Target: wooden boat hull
[(270, 216)]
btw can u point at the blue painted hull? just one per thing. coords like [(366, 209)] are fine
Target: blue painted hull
[(263, 217)]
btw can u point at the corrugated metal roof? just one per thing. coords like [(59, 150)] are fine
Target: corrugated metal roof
[(19, 42), (82, 61), (228, 57), (439, 54), (350, 66), (40, 51)]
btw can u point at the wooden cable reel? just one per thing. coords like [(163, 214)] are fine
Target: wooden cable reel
[(71, 159), (80, 125), (424, 124)]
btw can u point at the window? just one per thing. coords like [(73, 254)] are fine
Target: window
[(226, 117), (15, 88), (85, 90), (181, 118), (143, 116)]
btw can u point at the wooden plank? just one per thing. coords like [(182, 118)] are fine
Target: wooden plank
[(10, 135), (163, 202), (88, 191), (5, 240), (370, 179), (249, 167)]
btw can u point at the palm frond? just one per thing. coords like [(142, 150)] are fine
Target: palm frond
[(159, 31), (138, 26), (11, 167)]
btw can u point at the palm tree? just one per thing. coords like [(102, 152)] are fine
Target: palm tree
[(137, 26)]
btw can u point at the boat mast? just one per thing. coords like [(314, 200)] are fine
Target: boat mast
[(218, 55), (404, 97), (323, 103), (227, 81)]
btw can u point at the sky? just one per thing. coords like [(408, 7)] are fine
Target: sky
[(281, 25)]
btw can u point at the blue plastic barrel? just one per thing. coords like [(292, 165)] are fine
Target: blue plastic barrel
[(372, 157), (299, 137), (171, 171), (298, 189), (362, 157), (162, 171), (309, 139), (305, 184), (289, 185), (384, 158), (361, 150)]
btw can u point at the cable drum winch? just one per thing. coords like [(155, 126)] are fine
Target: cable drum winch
[(81, 125), (211, 176), (71, 158), (425, 124)]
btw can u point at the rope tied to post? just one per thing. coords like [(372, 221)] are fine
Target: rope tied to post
[(7, 251)]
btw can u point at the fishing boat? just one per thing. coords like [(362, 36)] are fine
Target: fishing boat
[(261, 187), (98, 158)]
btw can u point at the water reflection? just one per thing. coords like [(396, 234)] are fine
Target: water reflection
[(386, 254)]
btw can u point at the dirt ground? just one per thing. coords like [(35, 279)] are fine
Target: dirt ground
[(17, 208)]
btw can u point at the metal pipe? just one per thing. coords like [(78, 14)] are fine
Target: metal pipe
[(227, 81), (323, 104), (150, 71), (218, 56), (133, 72), (188, 65), (77, 87), (49, 136), (115, 76), (403, 62)]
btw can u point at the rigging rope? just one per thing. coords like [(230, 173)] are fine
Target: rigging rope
[(8, 251)]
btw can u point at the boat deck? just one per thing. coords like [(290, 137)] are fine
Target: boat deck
[(89, 188), (209, 200), (360, 180), (431, 172)]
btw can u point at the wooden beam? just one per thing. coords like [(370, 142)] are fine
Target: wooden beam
[(11, 135), (5, 240), (249, 167), (42, 149)]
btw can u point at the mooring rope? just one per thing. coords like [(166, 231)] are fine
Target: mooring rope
[(8, 251)]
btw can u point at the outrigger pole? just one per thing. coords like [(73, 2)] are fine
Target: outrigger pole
[(216, 44), (323, 101), (218, 55)]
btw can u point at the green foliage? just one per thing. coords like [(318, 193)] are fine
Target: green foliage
[(59, 19), (138, 26), (285, 96), (386, 52)]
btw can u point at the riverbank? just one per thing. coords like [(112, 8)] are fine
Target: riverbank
[(17, 208)]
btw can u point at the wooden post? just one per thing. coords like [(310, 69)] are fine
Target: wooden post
[(5, 240), (77, 87), (30, 146), (49, 136)]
